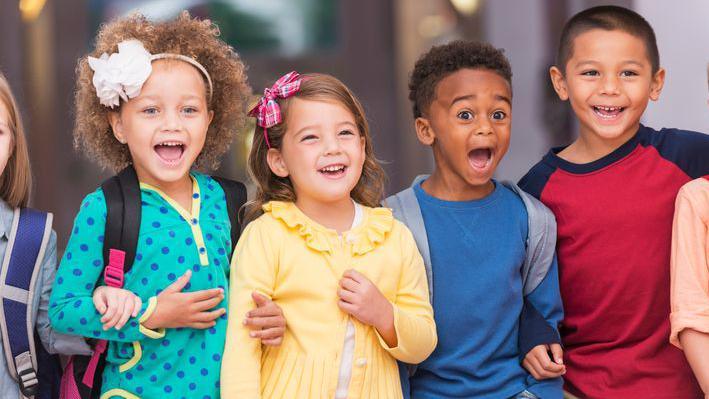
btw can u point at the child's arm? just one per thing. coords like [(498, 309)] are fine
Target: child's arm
[(253, 266), (53, 341), (406, 328), (71, 308), (541, 314), (690, 278), (116, 306)]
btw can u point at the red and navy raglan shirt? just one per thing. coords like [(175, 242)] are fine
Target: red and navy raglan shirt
[(614, 219)]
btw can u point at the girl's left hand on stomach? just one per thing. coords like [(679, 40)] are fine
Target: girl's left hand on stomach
[(362, 299)]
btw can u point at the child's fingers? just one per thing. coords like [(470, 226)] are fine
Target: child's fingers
[(548, 365), (204, 295), (269, 333), (205, 317), (527, 364), (346, 307), (127, 310), (99, 300), (354, 275), (349, 284), (137, 304), (201, 325), (260, 300), (120, 306), (557, 353), (180, 283), (268, 310), (347, 296), (207, 304), (264, 322), (111, 309)]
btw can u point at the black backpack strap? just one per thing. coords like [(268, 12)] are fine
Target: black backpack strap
[(123, 212), (25, 251), (235, 199)]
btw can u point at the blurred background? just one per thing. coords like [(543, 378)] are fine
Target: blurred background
[(369, 44)]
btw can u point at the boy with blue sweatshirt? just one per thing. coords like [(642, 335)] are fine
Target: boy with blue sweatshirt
[(488, 246)]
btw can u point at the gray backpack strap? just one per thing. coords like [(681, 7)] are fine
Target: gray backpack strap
[(405, 208), (541, 240)]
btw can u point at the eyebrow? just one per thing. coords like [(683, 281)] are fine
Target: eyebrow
[(594, 63), (498, 97)]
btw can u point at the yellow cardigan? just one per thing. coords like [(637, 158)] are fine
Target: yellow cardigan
[(298, 263)]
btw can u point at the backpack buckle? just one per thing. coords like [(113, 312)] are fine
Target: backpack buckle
[(113, 272), (26, 375)]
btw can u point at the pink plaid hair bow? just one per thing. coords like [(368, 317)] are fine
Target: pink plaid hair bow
[(267, 111)]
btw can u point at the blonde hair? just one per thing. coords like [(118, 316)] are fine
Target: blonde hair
[(16, 179), (184, 35), (370, 187)]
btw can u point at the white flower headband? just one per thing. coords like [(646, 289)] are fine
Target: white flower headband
[(121, 75)]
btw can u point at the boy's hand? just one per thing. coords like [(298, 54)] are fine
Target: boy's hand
[(539, 364), (116, 306), (362, 299), (266, 321), (186, 309)]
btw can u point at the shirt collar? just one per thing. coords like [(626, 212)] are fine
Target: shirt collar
[(6, 215)]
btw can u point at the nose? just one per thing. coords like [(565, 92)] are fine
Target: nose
[(171, 121), (483, 128), (609, 85), (331, 144)]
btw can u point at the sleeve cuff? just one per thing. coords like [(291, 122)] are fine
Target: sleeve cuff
[(154, 334), (395, 312), (534, 330), (682, 320)]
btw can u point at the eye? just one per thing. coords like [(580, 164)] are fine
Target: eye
[(591, 72), (628, 74), (150, 110), (190, 110), (465, 115), (346, 133), (308, 137), (499, 115)]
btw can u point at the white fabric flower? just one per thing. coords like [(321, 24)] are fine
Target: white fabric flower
[(121, 75)]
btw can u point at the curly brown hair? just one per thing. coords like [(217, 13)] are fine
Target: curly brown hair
[(369, 190), (183, 35), (441, 61)]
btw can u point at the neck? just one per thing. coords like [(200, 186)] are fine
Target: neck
[(179, 190), (336, 215), (589, 147), (451, 187)]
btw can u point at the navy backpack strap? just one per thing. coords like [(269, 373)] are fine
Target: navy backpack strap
[(26, 246), (235, 199)]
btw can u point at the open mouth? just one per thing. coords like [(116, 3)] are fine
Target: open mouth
[(608, 113), (333, 171), (170, 152), (480, 159)]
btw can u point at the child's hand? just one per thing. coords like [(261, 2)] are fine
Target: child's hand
[(266, 321), (362, 299), (116, 305), (540, 366), (186, 309)]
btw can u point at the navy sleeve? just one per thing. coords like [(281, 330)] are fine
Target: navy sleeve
[(535, 180), (688, 150)]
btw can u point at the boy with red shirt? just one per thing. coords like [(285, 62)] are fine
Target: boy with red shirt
[(612, 192)]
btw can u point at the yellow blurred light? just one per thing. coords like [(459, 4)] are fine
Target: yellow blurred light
[(30, 9), (466, 7)]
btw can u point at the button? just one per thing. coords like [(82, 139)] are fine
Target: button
[(195, 221), (351, 238), (361, 362)]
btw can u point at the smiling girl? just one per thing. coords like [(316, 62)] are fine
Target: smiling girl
[(347, 274)]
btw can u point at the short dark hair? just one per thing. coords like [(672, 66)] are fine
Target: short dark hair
[(441, 61), (607, 18)]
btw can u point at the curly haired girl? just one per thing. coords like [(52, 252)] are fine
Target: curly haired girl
[(167, 100)]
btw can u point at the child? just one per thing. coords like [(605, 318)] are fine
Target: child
[(613, 191), (474, 233), (690, 277), (15, 183), (345, 272), (169, 98)]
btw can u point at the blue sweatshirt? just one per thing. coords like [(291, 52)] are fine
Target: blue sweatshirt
[(477, 250)]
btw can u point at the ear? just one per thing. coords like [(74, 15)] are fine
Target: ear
[(559, 83), (658, 82), (424, 131), (211, 116), (114, 119), (274, 158)]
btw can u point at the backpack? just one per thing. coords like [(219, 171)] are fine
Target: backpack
[(36, 371), (82, 374)]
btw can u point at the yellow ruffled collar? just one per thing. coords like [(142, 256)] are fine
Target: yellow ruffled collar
[(376, 224)]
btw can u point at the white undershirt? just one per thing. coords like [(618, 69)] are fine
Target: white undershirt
[(343, 381)]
